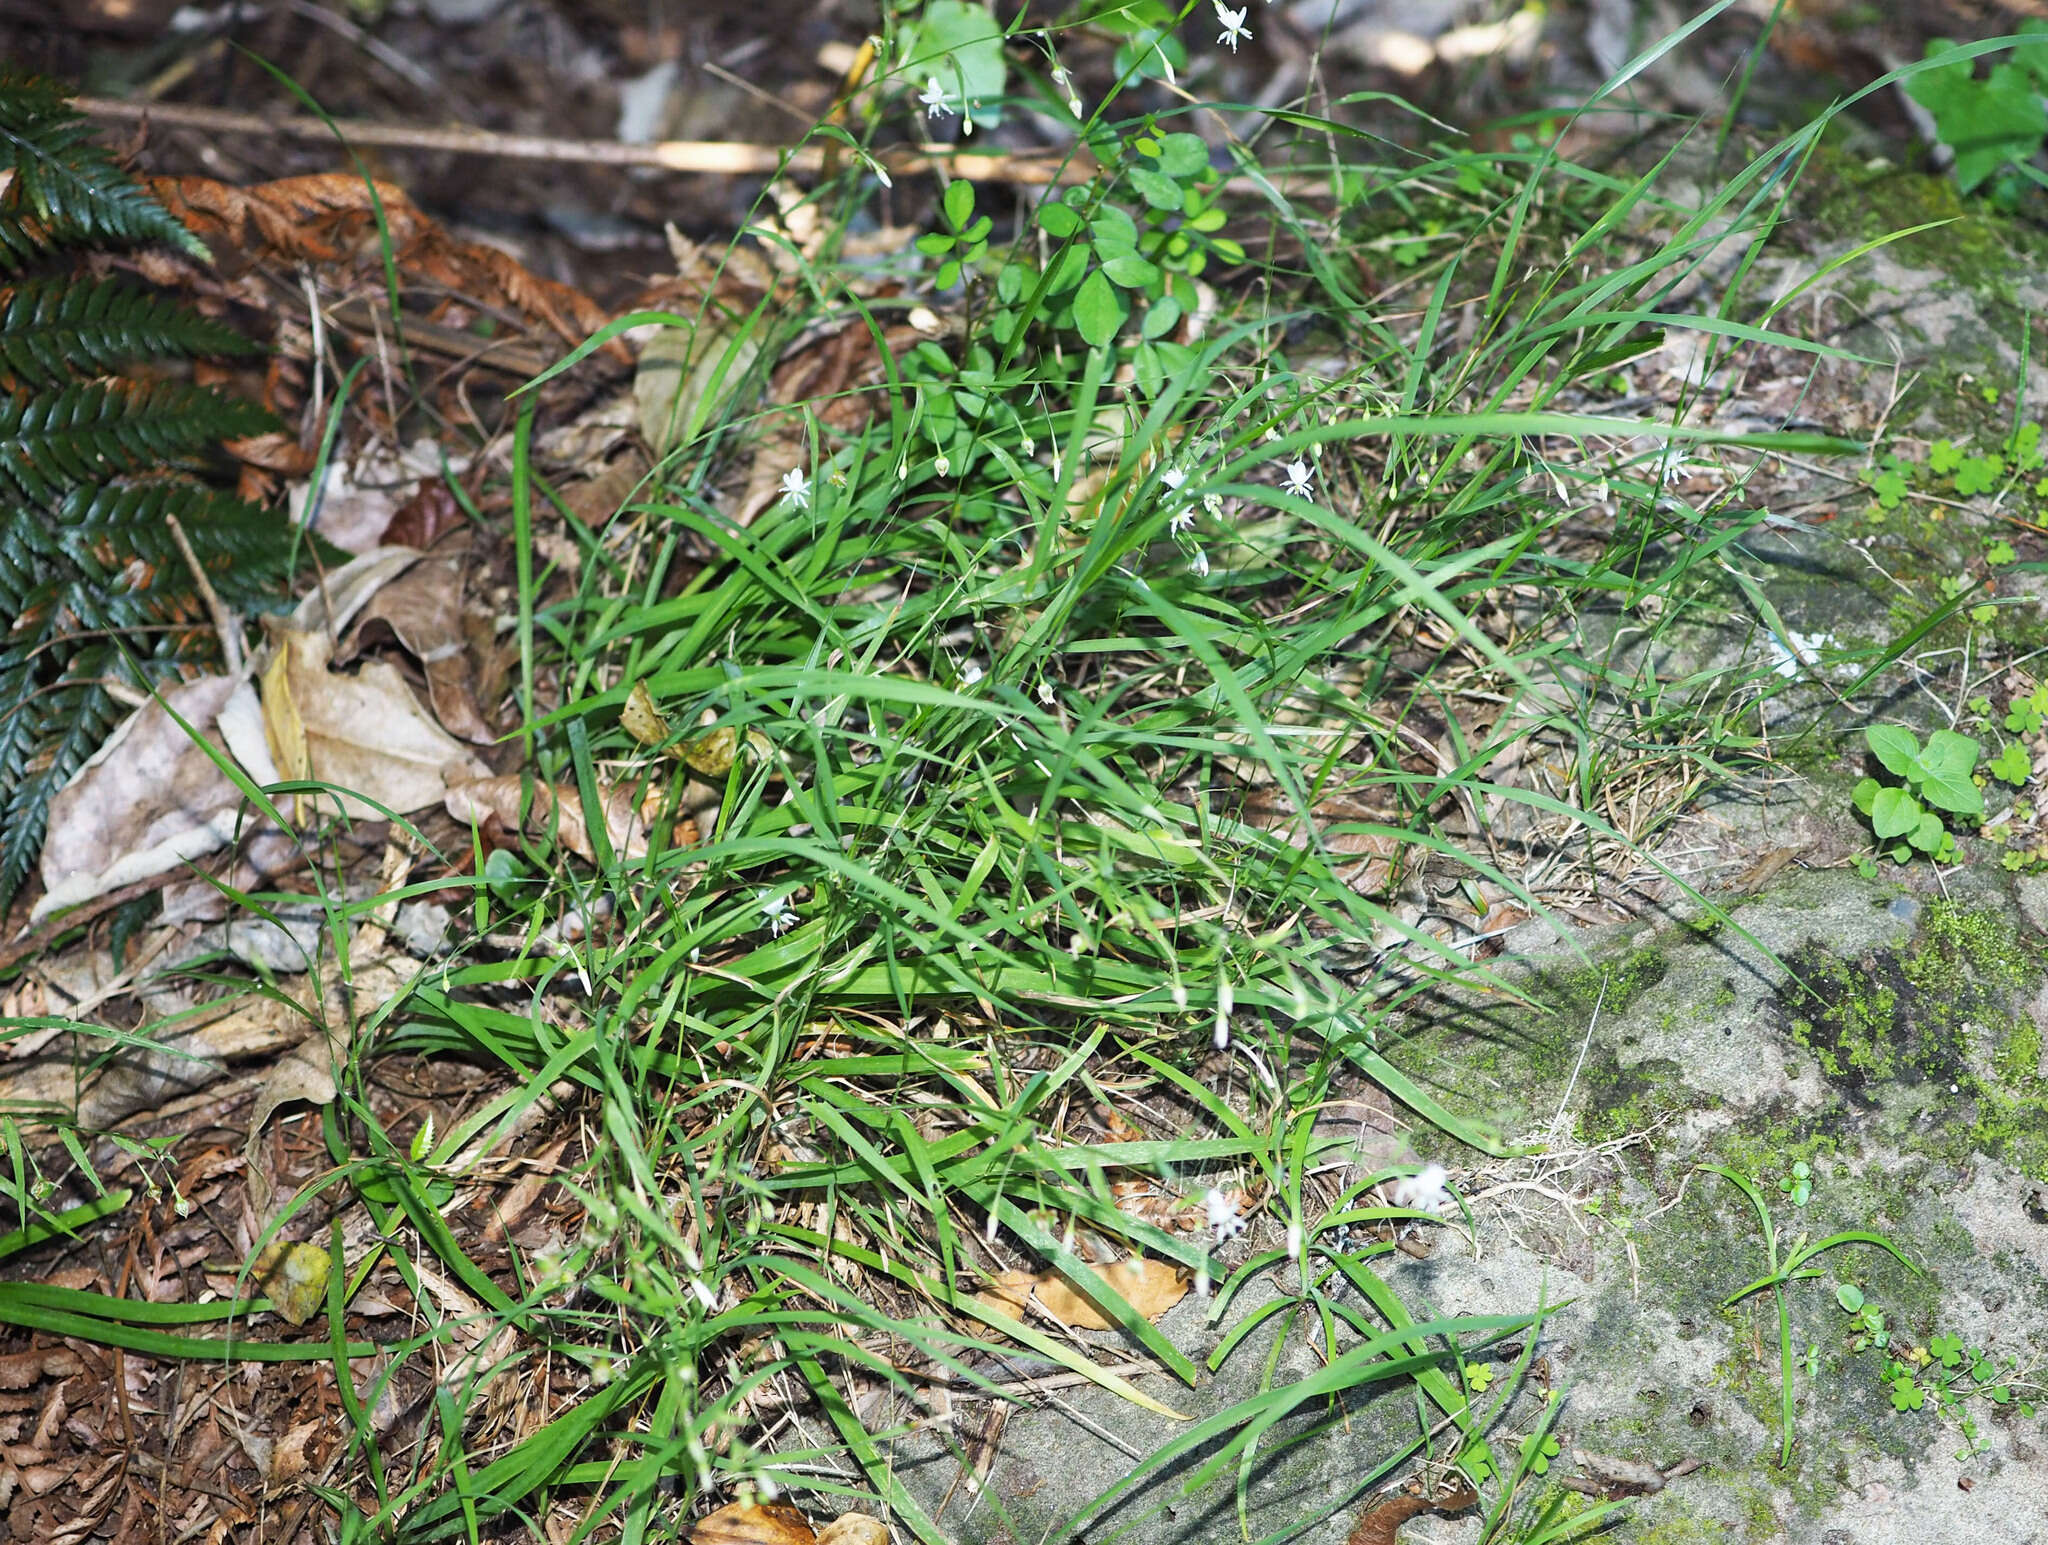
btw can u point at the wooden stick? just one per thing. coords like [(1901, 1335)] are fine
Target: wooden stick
[(724, 158)]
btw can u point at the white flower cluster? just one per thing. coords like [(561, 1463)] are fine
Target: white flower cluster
[(1425, 1191)]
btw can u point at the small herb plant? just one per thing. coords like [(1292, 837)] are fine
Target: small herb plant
[(1996, 124), (1935, 780), (1779, 1272), (2016, 463), (1947, 1376)]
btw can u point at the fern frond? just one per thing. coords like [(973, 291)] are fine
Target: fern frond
[(89, 431), (67, 183), (92, 465), (53, 330), (119, 541), (61, 726)]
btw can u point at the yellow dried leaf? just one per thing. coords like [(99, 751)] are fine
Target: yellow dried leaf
[(855, 1529), (282, 727), (710, 756), (641, 719), (753, 1523), (1148, 1286), (295, 1278)]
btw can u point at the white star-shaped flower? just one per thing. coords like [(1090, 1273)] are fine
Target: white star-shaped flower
[(1232, 23), (934, 98), (780, 915), (1181, 520), (1173, 478), (1223, 1218), (796, 487), (1299, 482)]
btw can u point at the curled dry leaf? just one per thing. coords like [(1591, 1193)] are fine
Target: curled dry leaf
[(753, 1523), (332, 217), (641, 719), (855, 1529), (422, 609), (18, 1370), (1380, 1524), (1149, 1286), (625, 822), (709, 756)]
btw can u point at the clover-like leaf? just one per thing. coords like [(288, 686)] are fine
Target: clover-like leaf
[(1058, 220), (958, 203), (1183, 156)]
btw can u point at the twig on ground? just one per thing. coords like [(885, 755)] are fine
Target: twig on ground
[(724, 158), (225, 627)]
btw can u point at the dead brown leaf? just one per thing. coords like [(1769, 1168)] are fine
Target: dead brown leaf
[(364, 733), (332, 217), (1380, 1524), (753, 1523), (558, 810), (19, 1370), (422, 610), (1151, 1287), (151, 797)]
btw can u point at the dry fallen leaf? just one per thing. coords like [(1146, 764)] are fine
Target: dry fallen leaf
[(151, 797), (1149, 1286), (295, 1278), (641, 719), (422, 609), (855, 1529), (625, 822), (366, 733), (288, 1459), (710, 755), (753, 1523)]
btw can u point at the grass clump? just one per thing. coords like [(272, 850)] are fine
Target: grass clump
[(1085, 746)]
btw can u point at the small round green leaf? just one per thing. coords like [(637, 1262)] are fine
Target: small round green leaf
[(1067, 270), (1058, 220), (1161, 316), (959, 204), (1157, 189), (1130, 271), (1183, 155), (1098, 310)]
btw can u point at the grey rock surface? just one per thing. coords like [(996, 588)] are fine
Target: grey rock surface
[(1904, 1072)]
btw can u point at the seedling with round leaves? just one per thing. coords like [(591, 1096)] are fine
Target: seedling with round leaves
[(1793, 1266), (1946, 1376)]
